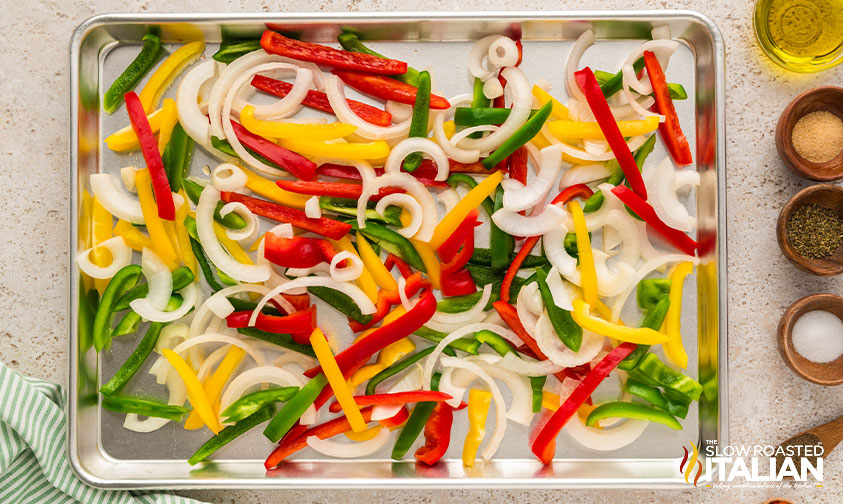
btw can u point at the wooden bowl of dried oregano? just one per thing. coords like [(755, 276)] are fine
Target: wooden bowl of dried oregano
[(810, 229)]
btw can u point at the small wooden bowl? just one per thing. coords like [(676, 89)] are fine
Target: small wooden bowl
[(822, 98), (827, 195), (829, 373)]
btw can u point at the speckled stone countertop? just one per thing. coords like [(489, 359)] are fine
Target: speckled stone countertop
[(767, 402)]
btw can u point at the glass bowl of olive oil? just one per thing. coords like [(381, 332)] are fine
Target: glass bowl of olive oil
[(801, 35)]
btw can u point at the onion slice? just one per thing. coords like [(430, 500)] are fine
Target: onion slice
[(347, 273), (456, 153), (247, 233), (518, 197), (358, 296), (121, 256), (583, 42), (529, 367), (459, 333), (550, 344), (107, 190), (522, 102), (335, 90), (349, 450), (426, 147), (190, 297), (312, 209), (606, 439), (228, 177), (414, 188), (462, 317), (258, 376), (663, 183), (408, 203), (513, 223)]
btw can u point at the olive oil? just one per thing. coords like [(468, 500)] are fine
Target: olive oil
[(801, 35)]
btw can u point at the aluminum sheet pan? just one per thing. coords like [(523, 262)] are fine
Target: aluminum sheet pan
[(104, 454)]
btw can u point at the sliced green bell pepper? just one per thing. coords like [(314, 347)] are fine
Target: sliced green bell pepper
[(651, 370), (250, 403), (537, 384), (418, 418), (351, 42), (393, 242), (652, 290), (620, 409), (478, 116), (182, 277), (501, 244), (135, 360), (145, 407), (483, 257), (496, 342), (230, 433), (459, 304), (568, 331), (230, 50), (294, 408), (340, 302), (143, 63), (653, 320), (467, 345), (348, 207), (177, 156), (371, 386), (655, 397), (419, 120), (523, 135), (281, 340), (123, 280)]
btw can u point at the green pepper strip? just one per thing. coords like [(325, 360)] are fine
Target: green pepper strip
[(501, 244), (459, 304), (677, 91), (537, 384), (483, 275), (651, 290), (495, 342), (122, 280), (620, 409), (145, 407), (230, 433), (281, 340), (351, 42), (653, 320), (243, 305), (456, 179), (401, 366), (142, 64), (570, 244), (596, 200), (393, 242), (177, 156), (134, 362), (230, 50), (479, 100), (523, 135), (483, 257), (467, 345), (415, 423), (418, 123), (568, 331), (477, 116), (231, 221), (204, 265), (655, 397), (294, 408), (131, 320), (652, 371), (340, 302), (182, 277), (250, 403), (348, 207)]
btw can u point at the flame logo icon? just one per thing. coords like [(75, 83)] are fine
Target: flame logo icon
[(687, 466)]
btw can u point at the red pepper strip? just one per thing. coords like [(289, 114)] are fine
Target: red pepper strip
[(319, 101), (275, 43), (387, 89), (571, 192), (522, 254), (296, 323), (437, 434), (298, 165), (425, 173), (452, 244), (518, 165), (403, 267), (395, 399), (290, 445), (461, 258), (396, 420), (457, 283), (298, 251), (603, 115), (324, 226), (149, 149), (299, 301), (389, 298), (336, 189), (643, 209), (545, 443), (670, 130), (353, 357)]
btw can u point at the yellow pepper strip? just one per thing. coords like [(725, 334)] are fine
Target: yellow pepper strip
[(589, 274), (275, 129), (364, 281), (213, 385), (85, 232), (268, 189), (134, 237), (101, 225), (366, 435), (373, 264), (550, 400), (473, 199), (558, 111), (170, 229), (431, 262), (332, 372), (450, 128), (640, 335), (125, 139), (195, 391), (478, 410), (183, 237), (540, 142), (170, 117), (256, 245), (584, 410), (234, 249), (388, 356), (165, 74), (370, 150), (391, 316), (160, 241), (575, 130), (673, 348)]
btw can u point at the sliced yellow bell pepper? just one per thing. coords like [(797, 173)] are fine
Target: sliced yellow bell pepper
[(558, 111), (170, 229), (388, 356), (364, 281), (134, 237), (160, 241), (366, 435), (431, 262), (101, 230), (550, 400), (274, 129), (478, 410), (183, 237), (376, 149), (234, 249), (473, 199), (195, 392), (575, 130), (169, 118), (336, 380), (373, 264), (268, 189), (165, 74), (673, 348), (125, 138), (213, 385), (640, 335), (587, 270)]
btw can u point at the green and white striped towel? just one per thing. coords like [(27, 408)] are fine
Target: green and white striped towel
[(33, 450)]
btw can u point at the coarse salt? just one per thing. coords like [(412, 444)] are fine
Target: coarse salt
[(818, 336)]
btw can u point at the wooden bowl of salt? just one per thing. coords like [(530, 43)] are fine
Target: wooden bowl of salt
[(813, 147), (813, 340)]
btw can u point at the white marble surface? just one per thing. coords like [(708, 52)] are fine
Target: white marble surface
[(767, 401)]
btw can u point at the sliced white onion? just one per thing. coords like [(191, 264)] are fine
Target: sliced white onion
[(661, 32), (220, 306), (289, 104), (606, 439), (457, 334), (128, 174), (402, 294), (644, 270), (158, 278), (449, 328), (408, 203), (456, 153), (170, 336), (560, 294), (312, 209), (449, 199), (492, 89), (358, 296), (412, 380), (479, 52), (300, 360), (624, 225), (583, 42), (258, 376), (553, 243), (191, 117), (550, 344), (251, 273), (522, 102), (191, 295), (249, 232), (529, 367), (663, 183), (349, 450), (518, 197), (426, 147), (313, 270), (641, 87), (519, 225), (584, 174), (595, 147), (177, 397), (503, 52), (121, 256), (347, 273), (632, 100), (523, 305), (633, 144), (399, 111), (229, 177), (283, 230), (212, 360), (462, 317), (220, 338), (335, 90), (464, 133), (532, 299), (521, 408), (107, 190), (414, 188)]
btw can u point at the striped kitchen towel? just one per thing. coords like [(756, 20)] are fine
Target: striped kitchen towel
[(33, 450)]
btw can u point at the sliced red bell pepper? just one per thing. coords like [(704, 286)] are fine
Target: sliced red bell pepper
[(545, 443), (395, 398), (571, 192), (518, 165), (437, 434), (394, 421), (452, 244), (387, 89), (298, 165), (389, 298), (275, 43), (457, 283), (600, 108), (324, 226), (299, 301), (643, 209), (302, 322), (149, 149), (298, 251), (670, 130), (404, 268), (461, 258), (425, 173), (512, 271), (477, 167), (336, 189), (319, 101)]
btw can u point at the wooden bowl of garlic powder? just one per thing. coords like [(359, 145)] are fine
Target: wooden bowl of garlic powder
[(809, 134)]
